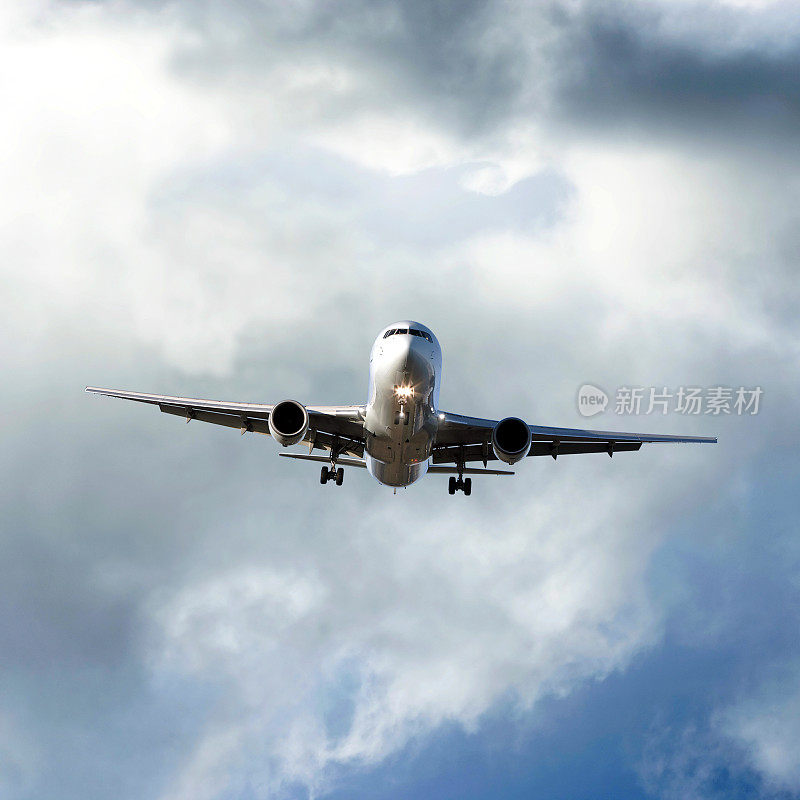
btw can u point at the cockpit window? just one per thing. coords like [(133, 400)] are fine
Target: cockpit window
[(410, 331)]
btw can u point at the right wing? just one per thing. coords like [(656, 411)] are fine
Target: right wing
[(329, 426), (465, 439)]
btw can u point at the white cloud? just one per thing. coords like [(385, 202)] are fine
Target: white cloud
[(654, 238), (96, 122), (758, 733), (434, 614), (767, 727)]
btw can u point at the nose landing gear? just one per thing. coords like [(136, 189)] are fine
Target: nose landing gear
[(465, 484)]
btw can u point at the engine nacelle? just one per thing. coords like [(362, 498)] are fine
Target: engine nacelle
[(288, 422), (511, 440)]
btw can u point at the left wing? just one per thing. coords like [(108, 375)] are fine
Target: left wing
[(466, 439), (339, 427)]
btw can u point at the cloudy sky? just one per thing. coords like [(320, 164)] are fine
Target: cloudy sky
[(229, 200)]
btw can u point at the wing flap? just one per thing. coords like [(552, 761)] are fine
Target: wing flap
[(478, 452), (241, 421), (574, 448)]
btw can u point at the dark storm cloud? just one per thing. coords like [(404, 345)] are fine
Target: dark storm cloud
[(79, 552), (476, 68), (626, 67), (451, 60)]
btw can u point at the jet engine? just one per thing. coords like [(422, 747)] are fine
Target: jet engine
[(288, 422), (511, 440)]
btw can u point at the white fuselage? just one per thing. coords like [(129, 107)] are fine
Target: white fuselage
[(401, 414)]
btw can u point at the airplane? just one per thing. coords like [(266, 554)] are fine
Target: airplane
[(400, 434)]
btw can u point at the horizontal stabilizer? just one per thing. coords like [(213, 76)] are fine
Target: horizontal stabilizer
[(341, 462), (354, 462), (468, 471)]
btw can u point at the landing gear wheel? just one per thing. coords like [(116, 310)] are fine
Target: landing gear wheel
[(323, 476), (451, 486), (468, 486), (339, 476)]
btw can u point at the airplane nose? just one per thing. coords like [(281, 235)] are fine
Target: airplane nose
[(405, 361), (403, 356), (398, 349)]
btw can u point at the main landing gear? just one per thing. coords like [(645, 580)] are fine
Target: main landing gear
[(465, 484), (332, 474)]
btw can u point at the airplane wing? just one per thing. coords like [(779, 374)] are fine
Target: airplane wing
[(329, 426), (466, 439)]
